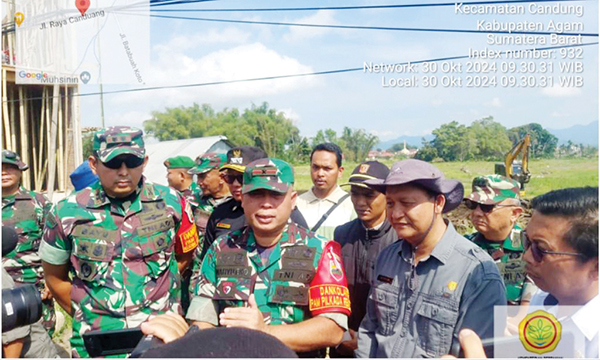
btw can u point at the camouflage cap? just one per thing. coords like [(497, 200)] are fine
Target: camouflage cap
[(179, 162), (239, 157), (207, 162), (492, 189), (113, 141), (11, 157), (270, 174)]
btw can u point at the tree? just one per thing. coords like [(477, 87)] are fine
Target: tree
[(258, 126), (491, 139), (543, 143), (454, 142)]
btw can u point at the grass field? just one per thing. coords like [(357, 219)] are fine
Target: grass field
[(546, 175)]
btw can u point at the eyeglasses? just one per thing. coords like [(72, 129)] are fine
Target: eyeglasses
[(486, 208), (130, 161), (538, 254), (231, 178)]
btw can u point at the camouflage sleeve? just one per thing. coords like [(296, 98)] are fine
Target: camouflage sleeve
[(203, 307), (56, 246), (46, 204), (187, 235)]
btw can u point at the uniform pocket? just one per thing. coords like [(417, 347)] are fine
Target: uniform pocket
[(436, 325), (386, 306), (156, 252), (92, 260)]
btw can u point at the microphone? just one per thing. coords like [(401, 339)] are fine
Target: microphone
[(9, 240)]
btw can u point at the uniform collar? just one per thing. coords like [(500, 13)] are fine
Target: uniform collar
[(512, 241), (442, 250), (290, 236), (98, 197)]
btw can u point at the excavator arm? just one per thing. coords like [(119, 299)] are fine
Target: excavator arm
[(518, 171)]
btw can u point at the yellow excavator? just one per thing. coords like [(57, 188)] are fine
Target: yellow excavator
[(517, 169)]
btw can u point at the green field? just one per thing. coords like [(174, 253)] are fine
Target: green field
[(546, 175)]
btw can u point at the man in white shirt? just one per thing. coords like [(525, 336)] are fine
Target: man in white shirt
[(326, 206), (561, 242)]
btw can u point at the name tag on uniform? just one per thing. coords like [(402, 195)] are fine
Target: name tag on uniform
[(223, 225), (290, 294)]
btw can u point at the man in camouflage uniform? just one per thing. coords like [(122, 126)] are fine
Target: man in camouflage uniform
[(124, 239), (495, 209), (25, 211), (214, 189), (273, 272), (178, 176)]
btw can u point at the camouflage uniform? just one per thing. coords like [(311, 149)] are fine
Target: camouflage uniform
[(26, 211), (300, 277), (121, 255), (507, 254)]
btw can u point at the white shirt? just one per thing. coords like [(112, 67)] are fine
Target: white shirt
[(313, 208), (585, 323)]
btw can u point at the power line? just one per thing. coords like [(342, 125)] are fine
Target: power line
[(357, 7), (356, 27), (326, 72)]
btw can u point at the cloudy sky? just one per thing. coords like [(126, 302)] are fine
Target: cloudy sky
[(188, 52)]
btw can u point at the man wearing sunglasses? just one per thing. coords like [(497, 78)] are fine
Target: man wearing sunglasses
[(562, 258), (433, 282), (229, 216), (273, 275), (112, 252), (495, 208), (25, 211)]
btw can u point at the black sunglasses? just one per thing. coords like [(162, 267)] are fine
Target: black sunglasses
[(130, 161), (230, 179), (538, 254), (486, 208)]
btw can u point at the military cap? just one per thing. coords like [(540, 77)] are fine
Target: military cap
[(367, 171), (207, 162), (179, 162), (492, 189), (269, 174), (11, 157), (113, 141), (239, 157)]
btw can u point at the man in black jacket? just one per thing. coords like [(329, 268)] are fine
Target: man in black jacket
[(362, 239)]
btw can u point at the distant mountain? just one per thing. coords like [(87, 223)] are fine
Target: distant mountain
[(410, 140), (578, 134)]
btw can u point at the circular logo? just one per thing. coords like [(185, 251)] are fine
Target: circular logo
[(540, 332)]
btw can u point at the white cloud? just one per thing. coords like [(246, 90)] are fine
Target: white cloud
[(292, 115), (323, 17), (129, 118), (229, 35), (495, 102), (559, 114), (558, 91), (241, 62), (385, 134)]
